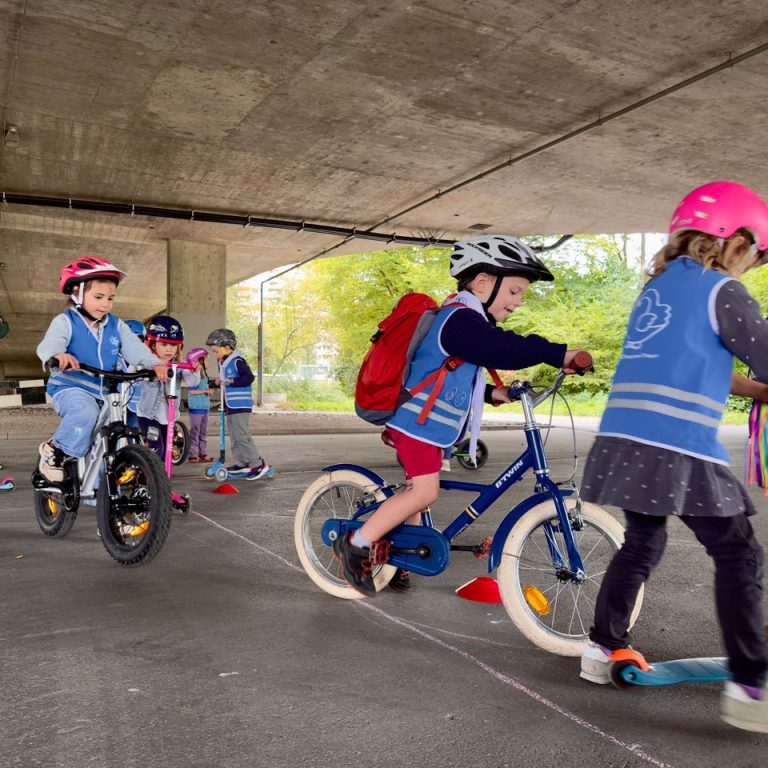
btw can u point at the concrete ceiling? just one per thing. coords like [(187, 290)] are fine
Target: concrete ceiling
[(356, 114)]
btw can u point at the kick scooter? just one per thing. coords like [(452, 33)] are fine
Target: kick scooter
[(218, 470), (179, 501), (630, 668)]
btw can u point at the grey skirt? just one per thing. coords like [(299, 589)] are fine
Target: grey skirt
[(654, 481)]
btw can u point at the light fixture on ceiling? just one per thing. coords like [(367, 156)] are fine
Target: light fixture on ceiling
[(12, 136)]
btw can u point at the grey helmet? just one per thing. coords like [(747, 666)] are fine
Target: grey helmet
[(221, 337), (498, 255)]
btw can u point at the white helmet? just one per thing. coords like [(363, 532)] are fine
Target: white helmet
[(498, 255)]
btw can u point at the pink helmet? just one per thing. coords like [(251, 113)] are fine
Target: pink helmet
[(87, 268), (720, 208), (195, 354)]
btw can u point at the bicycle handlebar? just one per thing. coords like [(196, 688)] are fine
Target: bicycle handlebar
[(582, 363), (52, 363)]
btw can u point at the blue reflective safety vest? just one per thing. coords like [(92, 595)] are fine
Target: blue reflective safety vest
[(235, 398), (674, 375), (100, 352), (199, 403), (445, 421)]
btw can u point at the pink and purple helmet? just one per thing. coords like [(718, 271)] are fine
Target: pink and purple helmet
[(195, 354), (87, 268), (721, 208)]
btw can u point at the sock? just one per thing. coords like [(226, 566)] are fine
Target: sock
[(359, 541)]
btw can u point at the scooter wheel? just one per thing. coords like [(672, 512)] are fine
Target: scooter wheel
[(221, 474), (622, 674), (183, 504)]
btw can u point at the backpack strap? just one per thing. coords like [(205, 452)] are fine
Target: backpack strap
[(438, 377)]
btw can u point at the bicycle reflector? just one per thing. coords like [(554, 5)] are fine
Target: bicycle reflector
[(536, 599)]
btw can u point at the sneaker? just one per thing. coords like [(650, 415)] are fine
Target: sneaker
[(596, 664), (740, 708), (263, 471), (50, 463), (238, 469), (401, 581), (356, 564), (446, 465)]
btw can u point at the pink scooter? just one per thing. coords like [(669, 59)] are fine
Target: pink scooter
[(179, 501)]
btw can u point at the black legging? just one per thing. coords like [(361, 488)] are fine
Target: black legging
[(738, 560)]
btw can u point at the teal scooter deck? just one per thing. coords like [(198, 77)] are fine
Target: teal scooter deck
[(630, 671)]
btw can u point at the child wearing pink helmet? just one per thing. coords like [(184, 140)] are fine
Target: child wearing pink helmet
[(657, 452)]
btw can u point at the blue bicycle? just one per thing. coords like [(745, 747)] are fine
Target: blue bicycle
[(551, 549)]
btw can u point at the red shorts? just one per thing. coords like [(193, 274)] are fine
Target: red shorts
[(417, 457)]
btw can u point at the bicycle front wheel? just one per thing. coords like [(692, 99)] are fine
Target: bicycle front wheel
[(334, 495), (551, 610), (134, 525)]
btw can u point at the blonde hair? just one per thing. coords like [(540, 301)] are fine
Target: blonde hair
[(733, 256)]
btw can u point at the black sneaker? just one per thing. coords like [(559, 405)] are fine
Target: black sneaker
[(356, 564), (401, 581)]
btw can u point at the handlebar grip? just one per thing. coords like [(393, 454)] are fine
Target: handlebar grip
[(51, 362), (582, 361)]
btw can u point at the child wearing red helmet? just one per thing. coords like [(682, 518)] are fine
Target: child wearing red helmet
[(89, 333)]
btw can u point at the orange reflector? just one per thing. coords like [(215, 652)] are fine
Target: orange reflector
[(139, 530), (127, 476), (226, 488), (483, 589), (536, 599)]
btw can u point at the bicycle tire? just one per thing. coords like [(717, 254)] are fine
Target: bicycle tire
[(180, 447), (333, 494), (53, 515), (465, 461), (56, 513), (526, 567), (135, 525)]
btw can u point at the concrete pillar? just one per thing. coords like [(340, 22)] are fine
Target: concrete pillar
[(197, 289)]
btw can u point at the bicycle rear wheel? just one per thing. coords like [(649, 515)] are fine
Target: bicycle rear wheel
[(554, 612), (135, 524), (334, 495)]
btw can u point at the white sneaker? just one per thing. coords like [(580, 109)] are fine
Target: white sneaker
[(446, 465), (596, 664), (47, 465), (739, 709)]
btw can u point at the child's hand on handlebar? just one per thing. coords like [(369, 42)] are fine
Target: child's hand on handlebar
[(67, 361), (161, 371), (577, 361), (500, 395)]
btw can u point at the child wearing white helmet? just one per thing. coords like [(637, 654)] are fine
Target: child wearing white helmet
[(657, 453), (89, 333), (493, 274)]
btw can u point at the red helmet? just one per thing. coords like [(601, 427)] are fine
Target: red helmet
[(87, 268)]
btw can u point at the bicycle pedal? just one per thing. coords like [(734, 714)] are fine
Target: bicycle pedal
[(483, 548), (380, 552)]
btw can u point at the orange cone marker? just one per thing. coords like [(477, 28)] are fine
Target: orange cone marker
[(483, 589)]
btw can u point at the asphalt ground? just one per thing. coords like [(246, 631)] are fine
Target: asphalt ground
[(222, 653)]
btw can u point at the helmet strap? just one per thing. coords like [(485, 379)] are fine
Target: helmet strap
[(491, 299), (78, 302)]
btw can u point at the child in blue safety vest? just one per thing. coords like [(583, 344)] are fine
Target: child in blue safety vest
[(657, 453), (236, 378), (199, 405), (86, 333), (493, 274)]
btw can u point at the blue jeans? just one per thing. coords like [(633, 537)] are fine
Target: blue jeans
[(738, 560), (79, 411)]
